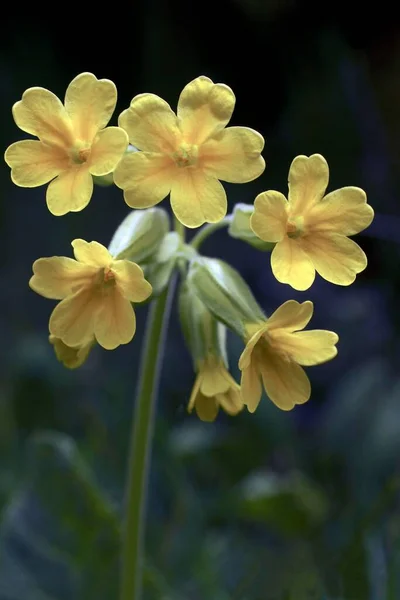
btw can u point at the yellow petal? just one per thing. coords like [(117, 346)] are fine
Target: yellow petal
[(270, 216), (115, 321), (197, 198), (256, 330), (71, 191), (34, 163), (251, 389), (206, 408), (72, 358), (131, 281), (284, 381), (72, 320), (291, 315), (344, 211), (195, 391), (308, 180), (214, 379), (290, 264), (233, 155), (91, 253), (307, 348), (90, 103), (204, 108), (231, 401), (146, 178), (151, 124), (107, 150), (58, 276), (336, 258), (41, 113)]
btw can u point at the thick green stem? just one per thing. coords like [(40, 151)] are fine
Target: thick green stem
[(207, 230), (140, 448)]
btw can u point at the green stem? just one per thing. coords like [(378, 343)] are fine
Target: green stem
[(140, 444), (207, 230)]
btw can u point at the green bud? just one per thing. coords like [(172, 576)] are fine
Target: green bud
[(103, 180), (240, 228), (140, 234), (225, 293), (158, 273)]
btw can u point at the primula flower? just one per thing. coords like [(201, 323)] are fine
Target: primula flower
[(186, 155), (311, 230), (274, 352), (214, 388), (96, 292), (73, 144)]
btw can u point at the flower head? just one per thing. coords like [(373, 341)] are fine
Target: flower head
[(96, 292), (186, 155), (214, 388), (311, 230), (73, 144), (274, 352)]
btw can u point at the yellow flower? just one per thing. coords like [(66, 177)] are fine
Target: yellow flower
[(73, 144), (311, 230), (274, 352), (186, 155), (72, 358), (214, 388), (96, 292)]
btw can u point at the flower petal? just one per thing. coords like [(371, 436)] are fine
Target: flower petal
[(71, 191), (34, 163), (308, 180), (204, 108), (57, 277), (41, 113), (206, 408), (195, 391), (197, 198), (343, 211), (107, 150), (290, 264), (71, 358), (91, 253), (131, 281), (115, 321), (233, 155), (214, 380), (291, 315), (151, 124), (72, 320), (336, 258), (284, 381), (307, 348), (146, 178), (90, 103), (257, 330), (231, 401), (250, 386), (270, 216)]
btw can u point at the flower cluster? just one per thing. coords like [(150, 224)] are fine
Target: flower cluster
[(154, 153)]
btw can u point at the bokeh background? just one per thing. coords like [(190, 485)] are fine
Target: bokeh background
[(270, 506)]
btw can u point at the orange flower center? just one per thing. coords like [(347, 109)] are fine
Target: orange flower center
[(105, 281), (80, 153), (186, 155), (295, 227)]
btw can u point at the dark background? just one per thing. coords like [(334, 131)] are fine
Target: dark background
[(270, 506)]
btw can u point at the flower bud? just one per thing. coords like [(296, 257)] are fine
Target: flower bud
[(72, 358), (240, 227), (158, 273)]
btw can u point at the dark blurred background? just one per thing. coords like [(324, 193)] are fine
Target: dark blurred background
[(270, 506)]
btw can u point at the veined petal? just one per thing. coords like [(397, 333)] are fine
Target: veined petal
[(291, 316), (231, 401), (131, 281), (270, 216), (115, 321), (206, 408), (41, 113), (34, 163), (91, 253), (71, 191), (146, 178), (307, 348), (308, 180), (197, 198), (290, 264), (204, 108), (233, 155), (335, 257), (107, 150), (72, 319), (151, 124), (284, 381), (343, 211), (90, 103), (57, 277), (250, 386)]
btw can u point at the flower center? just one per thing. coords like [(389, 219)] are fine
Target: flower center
[(104, 281), (80, 153), (186, 155), (295, 227)]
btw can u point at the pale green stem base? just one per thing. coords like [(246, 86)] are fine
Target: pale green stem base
[(207, 230)]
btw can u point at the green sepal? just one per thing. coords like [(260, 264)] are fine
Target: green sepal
[(240, 229), (163, 262)]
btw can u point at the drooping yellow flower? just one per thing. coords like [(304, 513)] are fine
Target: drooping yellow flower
[(311, 230), (274, 352), (186, 155), (214, 388), (72, 358), (73, 143), (96, 292)]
